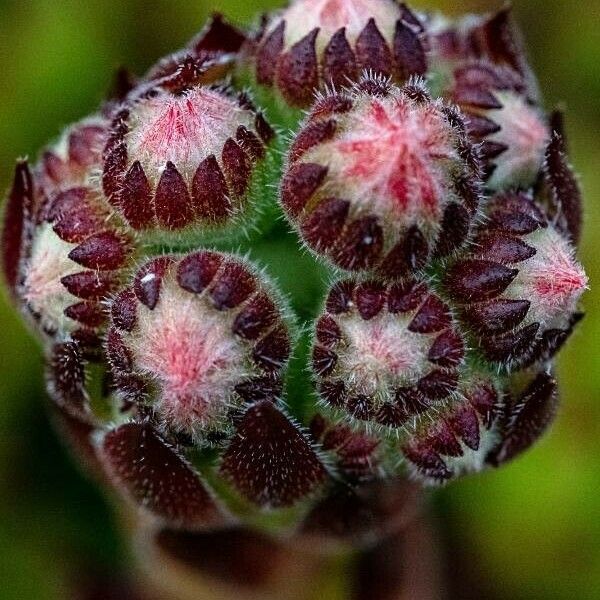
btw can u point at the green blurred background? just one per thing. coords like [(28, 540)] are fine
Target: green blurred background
[(530, 530)]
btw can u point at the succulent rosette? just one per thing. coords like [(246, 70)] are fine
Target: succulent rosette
[(394, 316)]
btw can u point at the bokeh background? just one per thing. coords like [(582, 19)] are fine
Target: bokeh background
[(528, 531)]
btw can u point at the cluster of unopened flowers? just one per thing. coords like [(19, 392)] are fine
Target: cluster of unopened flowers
[(404, 163)]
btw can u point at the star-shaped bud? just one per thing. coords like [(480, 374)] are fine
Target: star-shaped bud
[(381, 178)]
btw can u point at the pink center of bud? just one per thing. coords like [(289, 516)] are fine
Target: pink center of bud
[(331, 15), (42, 287), (525, 134), (381, 354), (553, 280), (183, 129), (189, 349), (390, 159)]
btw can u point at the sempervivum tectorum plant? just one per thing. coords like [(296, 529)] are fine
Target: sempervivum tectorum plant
[(183, 156), (447, 229), (381, 177), (315, 43), (520, 285)]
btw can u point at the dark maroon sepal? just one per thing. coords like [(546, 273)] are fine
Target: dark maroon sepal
[(497, 316), (148, 280), (372, 51), (360, 244), (465, 424), (503, 248), (406, 296), (210, 193), (442, 439), (324, 361), (236, 167), (408, 255), (312, 135), (328, 332), (88, 313), (298, 71), (514, 346), (323, 226), (118, 354), (408, 52), (269, 460), (124, 310), (66, 378), (565, 190), (17, 214), (438, 384), (135, 198), (172, 201), (340, 297), (260, 388), (447, 350), (196, 271), (272, 351), (370, 298), (218, 36), (299, 184), (105, 251), (454, 231), (475, 280), (233, 286), (427, 461), (268, 55), (433, 316), (89, 285), (256, 317), (155, 477), (339, 61), (115, 164), (528, 419), (250, 143)]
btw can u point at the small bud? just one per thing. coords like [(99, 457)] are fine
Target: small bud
[(385, 353), (458, 438), (382, 180), (75, 158), (194, 336), (314, 43), (182, 157), (520, 285), (513, 130), (66, 253), (74, 262)]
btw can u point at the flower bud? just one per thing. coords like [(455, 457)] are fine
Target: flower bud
[(385, 353), (381, 177), (75, 158), (196, 337), (64, 253), (481, 65), (184, 157), (512, 129), (520, 285), (457, 439), (314, 43)]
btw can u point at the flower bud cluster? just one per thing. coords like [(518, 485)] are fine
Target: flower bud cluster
[(426, 182)]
